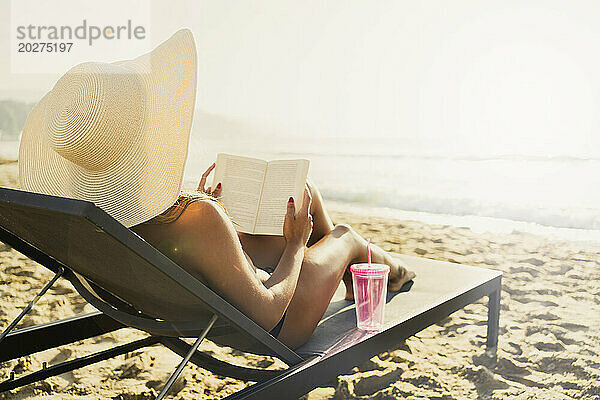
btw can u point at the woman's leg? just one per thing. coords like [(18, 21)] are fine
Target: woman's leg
[(265, 250), (322, 270), (322, 224)]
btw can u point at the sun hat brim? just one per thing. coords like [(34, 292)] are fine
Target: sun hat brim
[(146, 179)]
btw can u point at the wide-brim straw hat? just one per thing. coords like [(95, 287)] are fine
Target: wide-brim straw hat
[(115, 134)]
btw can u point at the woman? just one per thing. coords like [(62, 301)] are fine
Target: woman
[(308, 262), (117, 134)]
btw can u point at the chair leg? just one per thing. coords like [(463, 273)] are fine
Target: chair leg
[(31, 303), (185, 360), (493, 322)]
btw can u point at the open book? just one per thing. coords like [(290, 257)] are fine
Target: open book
[(255, 192)]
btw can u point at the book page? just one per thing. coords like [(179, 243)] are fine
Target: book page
[(283, 179), (242, 180)]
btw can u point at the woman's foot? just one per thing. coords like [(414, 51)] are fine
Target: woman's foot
[(397, 277)]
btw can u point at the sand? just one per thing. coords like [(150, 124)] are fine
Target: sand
[(549, 346)]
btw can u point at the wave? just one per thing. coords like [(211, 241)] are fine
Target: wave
[(575, 218), (436, 157)]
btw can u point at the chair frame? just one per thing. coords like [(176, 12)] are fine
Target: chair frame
[(302, 374)]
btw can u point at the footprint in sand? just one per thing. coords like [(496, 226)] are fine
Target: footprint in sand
[(549, 346), (157, 385), (63, 355), (456, 327), (548, 316), (561, 270), (549, 292), (573, 327), (484, 379), (543, 303), (133, 367), (564, 335), (533, 261), (516, 293), (420, 251), (514, 349), (509, 368), (368, 385), (563, 365), (61, 288), (531, 271), (547, 303)]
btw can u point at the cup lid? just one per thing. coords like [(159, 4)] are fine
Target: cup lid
[(370, 269)]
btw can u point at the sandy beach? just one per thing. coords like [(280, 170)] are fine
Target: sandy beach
[(549, 346)]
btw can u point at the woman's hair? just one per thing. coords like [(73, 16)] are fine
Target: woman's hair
[(186, 197)]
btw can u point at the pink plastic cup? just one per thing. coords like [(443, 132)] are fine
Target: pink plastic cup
[(370, 290)]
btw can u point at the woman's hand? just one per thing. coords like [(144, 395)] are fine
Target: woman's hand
[(297, 227), (214, 193)]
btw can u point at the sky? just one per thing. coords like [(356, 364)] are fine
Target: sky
[(515, 76)]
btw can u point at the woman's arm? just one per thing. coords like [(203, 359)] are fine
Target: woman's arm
[(296, 231), (210, 245)]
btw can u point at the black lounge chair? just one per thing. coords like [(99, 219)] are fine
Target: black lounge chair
[(102, 258)]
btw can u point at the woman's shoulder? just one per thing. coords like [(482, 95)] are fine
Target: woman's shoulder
[(204, 209), (188, 207), (199, 220), (203, 213)]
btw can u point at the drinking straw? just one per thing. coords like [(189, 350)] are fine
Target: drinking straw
[(368, 288)]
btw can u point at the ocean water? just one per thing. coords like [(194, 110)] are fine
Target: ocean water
[(555, 195)]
